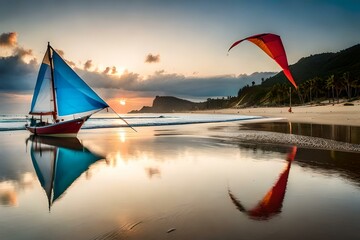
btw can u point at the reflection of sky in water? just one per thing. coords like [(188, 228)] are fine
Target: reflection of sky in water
[(7, 194), (153, 181)]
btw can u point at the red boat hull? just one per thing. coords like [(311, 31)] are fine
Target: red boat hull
[(60, 129)]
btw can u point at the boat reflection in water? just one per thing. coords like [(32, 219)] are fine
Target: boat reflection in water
[(58, 162), (271, 203)]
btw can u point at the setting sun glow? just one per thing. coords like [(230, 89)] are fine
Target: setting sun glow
[(122, 102)]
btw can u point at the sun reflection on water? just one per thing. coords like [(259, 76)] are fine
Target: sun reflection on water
[(122, 135)]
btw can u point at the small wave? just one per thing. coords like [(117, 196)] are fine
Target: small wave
[(12, 120), (135, 117), (12, 129)]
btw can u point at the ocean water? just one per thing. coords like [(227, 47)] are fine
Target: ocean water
[(216, 180), (17, 122)]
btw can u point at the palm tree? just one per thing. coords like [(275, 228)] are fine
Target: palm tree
[(309, 85), (355, 84), (330, 84), (299, 92), (302, 92), (338, 87), (347, 83), (317, 86)]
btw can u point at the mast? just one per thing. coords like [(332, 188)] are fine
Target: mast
[(52, 82), (290, 96), (50, 199), (290, 111)]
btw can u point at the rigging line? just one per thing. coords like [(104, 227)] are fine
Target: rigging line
[(123, 119)]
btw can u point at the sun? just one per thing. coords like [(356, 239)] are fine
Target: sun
[(122, 102)]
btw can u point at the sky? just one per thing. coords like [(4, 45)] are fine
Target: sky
[(135, 50)]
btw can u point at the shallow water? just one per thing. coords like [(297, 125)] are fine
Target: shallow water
[(349, 134), (200, 181)]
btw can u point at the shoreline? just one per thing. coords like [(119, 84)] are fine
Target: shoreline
[(336, 114)]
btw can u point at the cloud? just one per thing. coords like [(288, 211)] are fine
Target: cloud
[(162, 83), (16, 74), (17, 71), (26, 55), (62, 54), (88, 64), (150, 58), (107, 70), (110, 70), (8, 39), (195, 87), (107, 81), (21, 52), (70, 63), (113, 70)]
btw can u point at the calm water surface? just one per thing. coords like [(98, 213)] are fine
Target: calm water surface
[(176, 182)]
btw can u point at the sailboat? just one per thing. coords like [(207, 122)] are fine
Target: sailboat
[(62, 98), (58, 163)]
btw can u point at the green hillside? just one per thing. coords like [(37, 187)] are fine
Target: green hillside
[(320, 76), (322, 65)]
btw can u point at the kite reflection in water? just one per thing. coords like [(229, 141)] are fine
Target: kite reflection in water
[(58, 162), (271, 203)]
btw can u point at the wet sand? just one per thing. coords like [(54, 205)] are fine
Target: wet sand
[(327, 114)]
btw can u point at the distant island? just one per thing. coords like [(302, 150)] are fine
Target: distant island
[(166, 104), (320, 77)]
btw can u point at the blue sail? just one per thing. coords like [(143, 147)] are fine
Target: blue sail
[(59, 162), (70, 164), (43, 162), (72, 93), (42, 98)]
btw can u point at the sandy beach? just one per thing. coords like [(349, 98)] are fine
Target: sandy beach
[(337, 114)]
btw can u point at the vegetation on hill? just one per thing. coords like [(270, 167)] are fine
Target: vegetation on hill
[(319, 77)]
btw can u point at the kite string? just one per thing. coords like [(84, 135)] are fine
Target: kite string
[(123, 119)]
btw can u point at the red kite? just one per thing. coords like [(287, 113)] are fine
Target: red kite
[(272, 45)]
